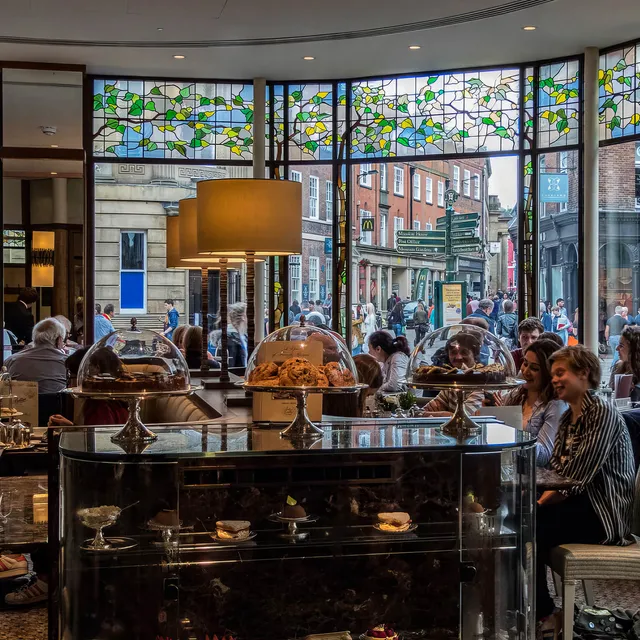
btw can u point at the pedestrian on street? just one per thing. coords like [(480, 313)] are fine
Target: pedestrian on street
[(545, 317), (102, 325), (420, 322), (370, 325), (171, 319), (560, 324), (326, 306), (391, 302), (295, 308), (485, 311), (613, 330), (396, 319), (507, 326)]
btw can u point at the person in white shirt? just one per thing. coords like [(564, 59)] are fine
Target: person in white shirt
[(370, 325)]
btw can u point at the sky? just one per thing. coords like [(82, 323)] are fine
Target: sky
[(504, 180)]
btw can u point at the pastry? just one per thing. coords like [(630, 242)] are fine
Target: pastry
[(323, 381), (135, 382), (380, 631), (291, 509), (479, 374), (267, 382), (165, 518), (336, 635), (264, 371), (298, 372), (395, 522), (233, 529), (339, 377)]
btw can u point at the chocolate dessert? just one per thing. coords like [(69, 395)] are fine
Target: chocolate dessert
[(135, 382), (379, 632), (291, 509), (479, 374)]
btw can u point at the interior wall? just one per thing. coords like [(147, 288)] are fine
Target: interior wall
[(12, 201)]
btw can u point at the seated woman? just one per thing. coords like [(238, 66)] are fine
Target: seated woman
[(593, 449), (629, 352), (541, 412), (463, 352), (192, 343), (393, 354), (178, 336)]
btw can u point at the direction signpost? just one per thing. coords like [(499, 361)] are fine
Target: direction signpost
[(455, 234)]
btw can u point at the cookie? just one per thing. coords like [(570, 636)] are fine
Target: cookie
[(264, 371), (323, 381), (298, 372), (334, 374), (267, 382)]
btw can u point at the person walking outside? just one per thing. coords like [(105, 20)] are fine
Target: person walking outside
[(485, 311), (370, 325), (395, 319), (420, 322), (170, 321), (326, 306), (102, 322), (560, 324), (507, 326), (613, 330)]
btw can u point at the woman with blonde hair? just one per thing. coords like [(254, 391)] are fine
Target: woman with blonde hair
[(370, 325), (237, 342)]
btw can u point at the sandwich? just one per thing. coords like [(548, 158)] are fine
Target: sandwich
[(396, 522), (232, 529)]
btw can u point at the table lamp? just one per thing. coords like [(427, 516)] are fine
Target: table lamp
[(182, 254), (249, 217)]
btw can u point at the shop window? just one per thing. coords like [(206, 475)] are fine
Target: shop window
[(296, 176), (133, 272), (416, 225)]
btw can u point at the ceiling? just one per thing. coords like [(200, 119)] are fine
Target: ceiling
[(348, 38)]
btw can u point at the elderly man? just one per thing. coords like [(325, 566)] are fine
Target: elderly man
[(484, 311), (44, 362)]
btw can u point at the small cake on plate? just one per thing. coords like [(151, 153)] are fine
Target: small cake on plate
[(395, 522), (379, 632), (165, 518), (233, 529), (291, 509)]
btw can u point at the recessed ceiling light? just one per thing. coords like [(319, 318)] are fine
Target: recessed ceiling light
[(414, 47), (54, 173), (308, 58), (529, 28), (160, 29), (179, 57), (54, 146)]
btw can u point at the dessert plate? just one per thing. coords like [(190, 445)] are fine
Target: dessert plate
[(251, 536)]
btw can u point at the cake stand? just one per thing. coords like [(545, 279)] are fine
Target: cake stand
[(461, 426), (302, 426), (14, 434), (134, 433), (292, 532)]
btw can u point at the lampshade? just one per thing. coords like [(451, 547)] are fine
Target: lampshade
[(181, 239), (42, 252), (236, 216)]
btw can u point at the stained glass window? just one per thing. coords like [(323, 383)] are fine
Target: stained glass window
[(435, 114), (558, 104), (276, 129), (154, 119), (310, 121), (527, 101), (619, 80)]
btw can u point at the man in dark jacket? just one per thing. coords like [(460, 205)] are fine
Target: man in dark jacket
[(18, 317), (484, 311)]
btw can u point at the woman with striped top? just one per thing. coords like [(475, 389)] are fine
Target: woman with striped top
[(593, 450)]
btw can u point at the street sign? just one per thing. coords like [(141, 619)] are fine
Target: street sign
[(463, 224), (554, 187), (367, 224), (441, 222), (420, 249), (465, 216), (420, 234), (466, 248), (465, 233)]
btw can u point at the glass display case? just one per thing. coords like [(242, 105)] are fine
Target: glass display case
[(402, 525)]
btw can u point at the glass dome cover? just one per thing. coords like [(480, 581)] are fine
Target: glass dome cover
[(134, 362), (302, 356), (461, 354)]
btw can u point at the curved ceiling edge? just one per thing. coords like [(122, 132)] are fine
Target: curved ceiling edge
[(446, 21)]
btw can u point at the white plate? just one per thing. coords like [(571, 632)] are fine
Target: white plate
[(412, 527), (251, 536)]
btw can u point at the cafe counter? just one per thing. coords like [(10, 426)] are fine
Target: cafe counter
[(307, 551)]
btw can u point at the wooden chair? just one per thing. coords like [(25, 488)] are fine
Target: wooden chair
[(585, 562)]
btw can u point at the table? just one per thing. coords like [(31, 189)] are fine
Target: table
[(547, 480)]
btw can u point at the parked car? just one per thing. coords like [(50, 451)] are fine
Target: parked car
[(409, 309)]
